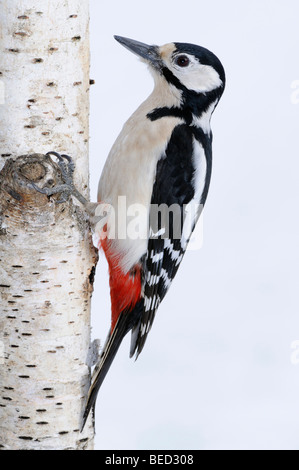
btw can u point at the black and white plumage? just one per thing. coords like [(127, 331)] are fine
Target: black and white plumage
[(180, 183), (162, 157)]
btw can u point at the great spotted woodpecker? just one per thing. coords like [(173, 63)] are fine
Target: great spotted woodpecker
[(163, 156)]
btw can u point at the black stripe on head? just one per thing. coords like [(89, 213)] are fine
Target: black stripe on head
[(171, 78)]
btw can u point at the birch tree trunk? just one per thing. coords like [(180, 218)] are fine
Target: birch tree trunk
[(47, 260)]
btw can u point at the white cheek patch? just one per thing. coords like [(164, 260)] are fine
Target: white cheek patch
[(199, 78), (196, 77)]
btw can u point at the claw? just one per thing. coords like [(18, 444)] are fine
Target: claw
[(60, 189), (71, 164), (68, 158), (67, 169), (56, 154), (67, 188)]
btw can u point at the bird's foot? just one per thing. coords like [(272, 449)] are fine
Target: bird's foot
[(66, 188)]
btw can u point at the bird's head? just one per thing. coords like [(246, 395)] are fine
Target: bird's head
[(191, 69)]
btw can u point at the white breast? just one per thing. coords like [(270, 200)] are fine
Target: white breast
[(130, 171)]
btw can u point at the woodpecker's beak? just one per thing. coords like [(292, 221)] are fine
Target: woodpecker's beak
[(149, 53)]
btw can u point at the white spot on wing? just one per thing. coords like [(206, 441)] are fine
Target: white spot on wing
[(160, 233), (156, 257), (192, 210), (200, 165), (168, 245), (166, 279), (179, 259), (153, 279), (147, 302), (143, 329)]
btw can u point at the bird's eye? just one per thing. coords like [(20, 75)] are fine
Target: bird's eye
[(182, 61)]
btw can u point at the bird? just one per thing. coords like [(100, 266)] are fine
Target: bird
[(162, 159), (163, 155)]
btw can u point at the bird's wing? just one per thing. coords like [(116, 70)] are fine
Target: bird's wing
[(170, 227)]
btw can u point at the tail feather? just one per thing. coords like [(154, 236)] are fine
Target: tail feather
[(134, 338), (112, 345), (124, 324)]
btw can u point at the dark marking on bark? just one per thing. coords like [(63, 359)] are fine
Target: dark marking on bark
[(83, 440), (21, 34), (92, 275)]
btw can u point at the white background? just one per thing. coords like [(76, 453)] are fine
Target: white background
[(216, 372)]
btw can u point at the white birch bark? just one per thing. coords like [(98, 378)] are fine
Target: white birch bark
[(46, 256)]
